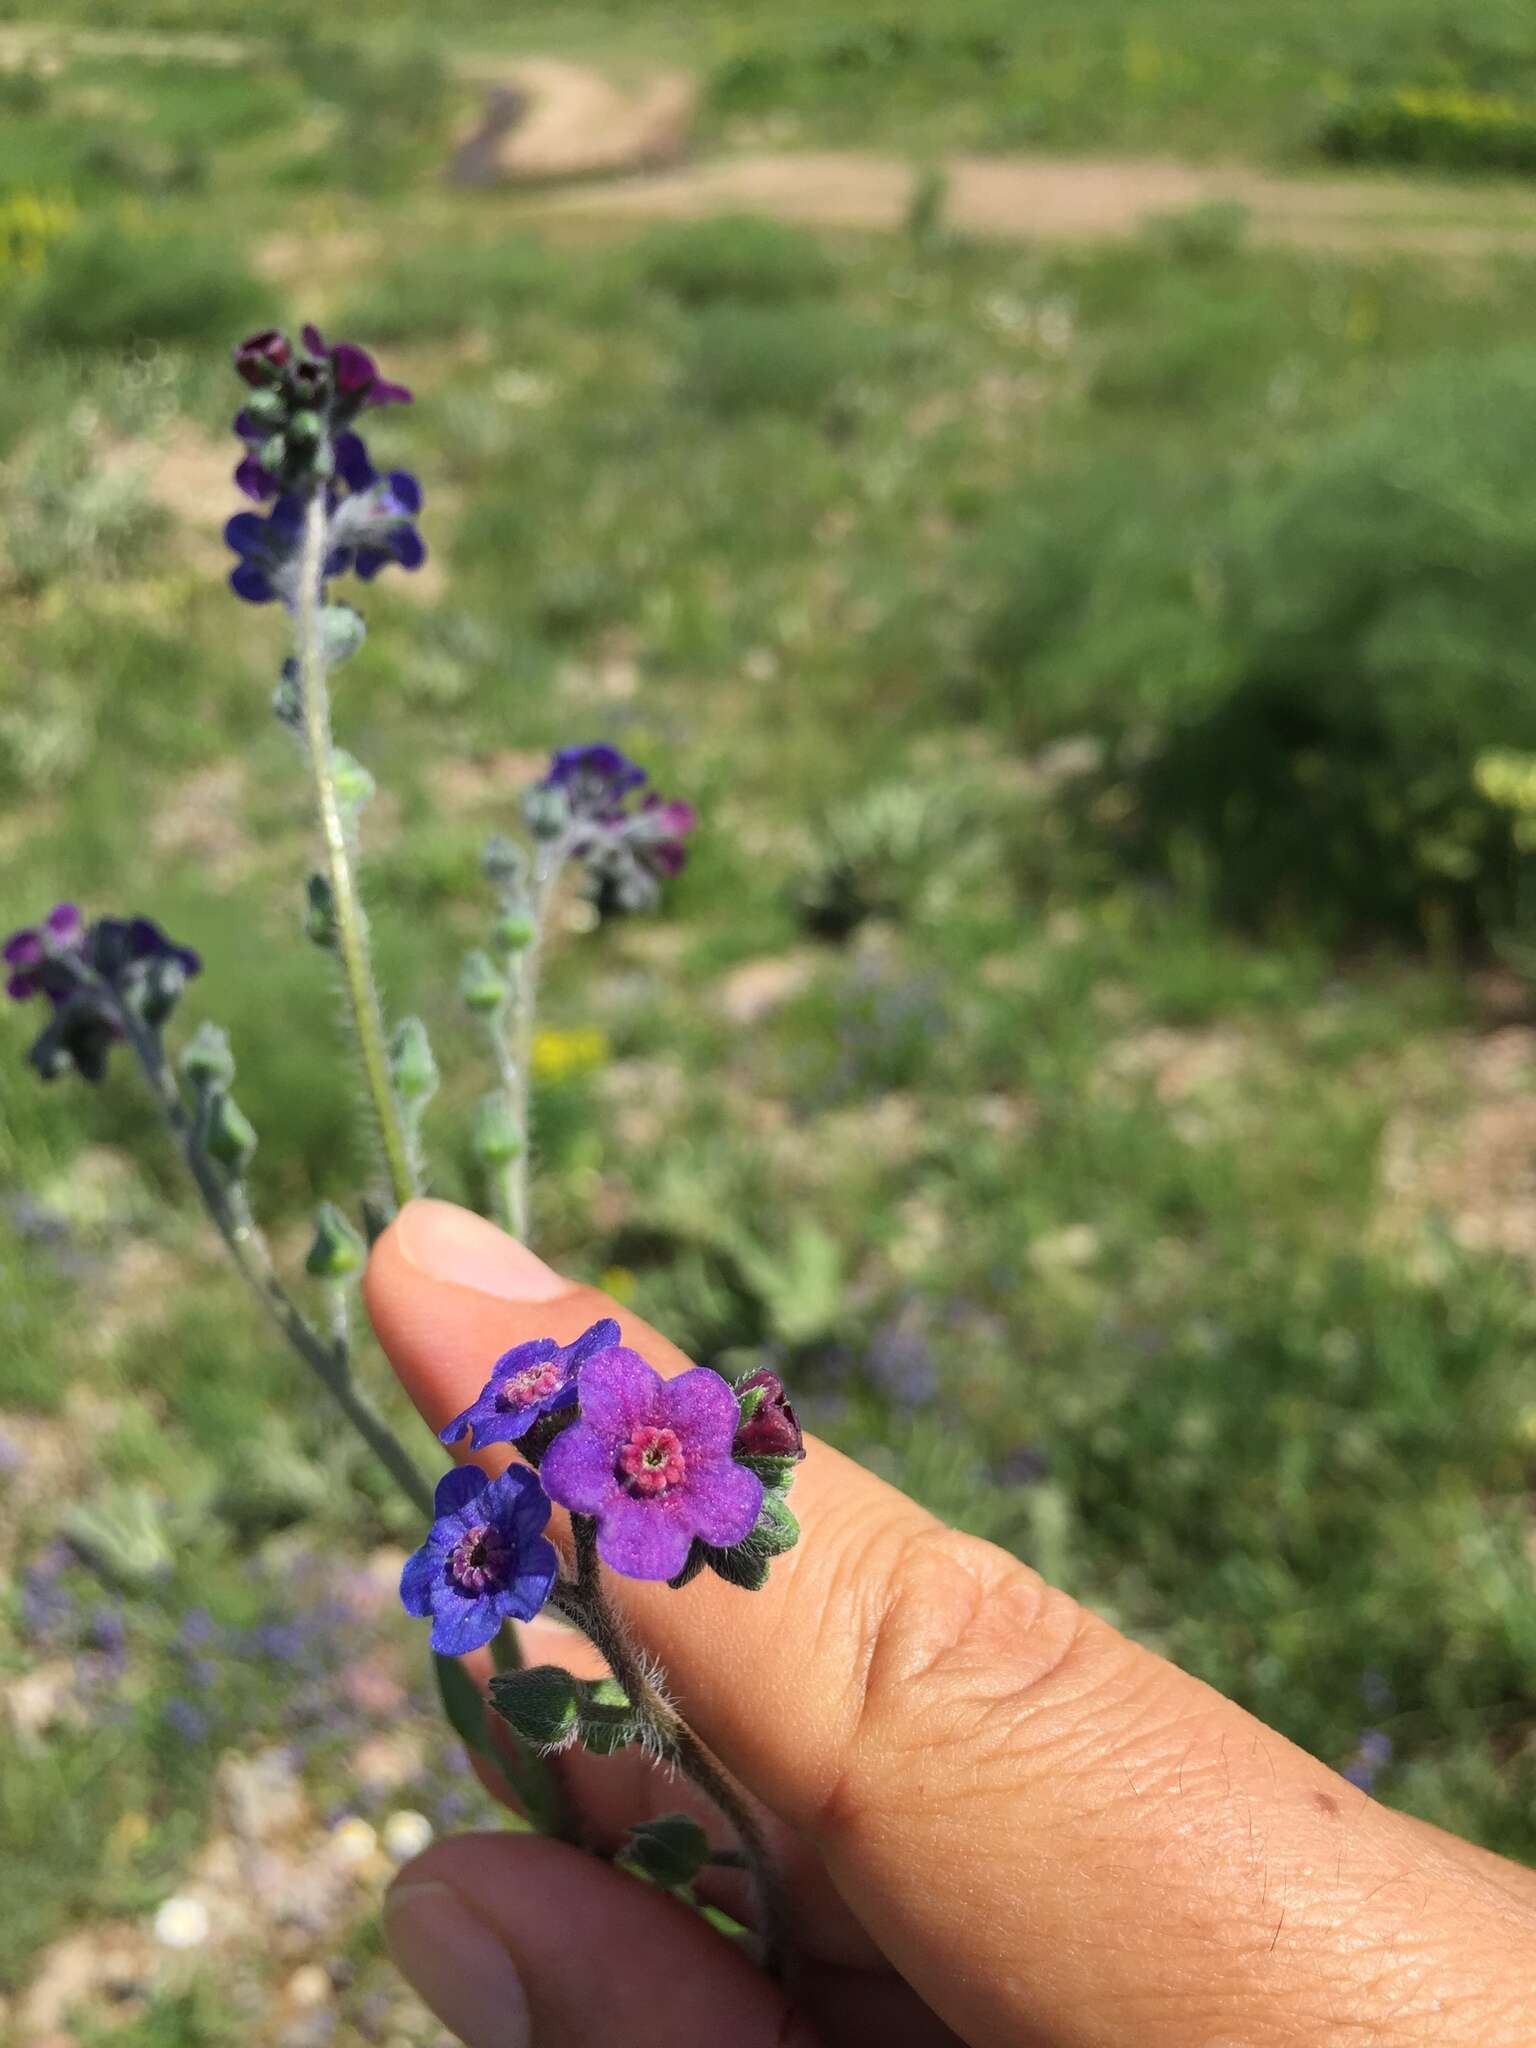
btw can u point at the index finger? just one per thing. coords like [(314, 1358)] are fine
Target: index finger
[(1052, 1833)]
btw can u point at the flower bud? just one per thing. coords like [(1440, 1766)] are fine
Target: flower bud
[(496, 1140), (207, 1060), (481, 987), (262, 358), (226, 1131), (305, 428), (160, 989), (337, 1249), (319, 911), (543, 1704), (342, 632), (411, 1065), (354, 786), (288, 698), (768, 1427), (266, 408), (513, 932), (671, 1849), (503, 863), (547, 811)]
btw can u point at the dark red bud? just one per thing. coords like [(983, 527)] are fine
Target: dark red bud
[(262, 358), (773, 1430)]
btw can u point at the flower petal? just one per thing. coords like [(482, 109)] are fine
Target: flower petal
[(724, 1501), (456, 1489), (618, 1390), (577, 1470), (534, 1582), (644, 1539), (460, 1625), (423, 1570), (700, 1406)]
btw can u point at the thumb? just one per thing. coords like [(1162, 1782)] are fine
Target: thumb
[(1053, 1834), (517, 1942)]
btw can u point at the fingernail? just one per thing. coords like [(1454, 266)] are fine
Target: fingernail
[(453, 1244), (456, 1966)]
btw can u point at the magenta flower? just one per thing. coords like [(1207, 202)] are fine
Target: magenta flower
[(486, 1559), (526, 1382), (651, 1460), (354, 375)]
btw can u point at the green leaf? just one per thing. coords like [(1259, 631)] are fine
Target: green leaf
[(463, 1704)]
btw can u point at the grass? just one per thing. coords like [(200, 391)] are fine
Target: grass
[(1062, 1199)]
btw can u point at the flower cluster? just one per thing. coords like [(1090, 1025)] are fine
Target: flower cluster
[(629, 843), (87, 974), (674, 1474), (299, 439)]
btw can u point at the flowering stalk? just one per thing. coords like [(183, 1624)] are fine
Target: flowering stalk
[(514, 1036), (670, 1739), (229, 1211), (349, 921)]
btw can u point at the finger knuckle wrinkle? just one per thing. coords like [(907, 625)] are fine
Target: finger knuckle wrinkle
[(957, 1653)]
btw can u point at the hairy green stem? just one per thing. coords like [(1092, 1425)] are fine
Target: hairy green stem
[(513, 1036), (350, 922), (675, 1742), (230, 1215)]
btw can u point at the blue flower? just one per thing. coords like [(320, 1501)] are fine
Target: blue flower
[(368, 523), (594, 780), (530, 1380), (372, 524), (485, 1561), (87, 973), (268, 549)]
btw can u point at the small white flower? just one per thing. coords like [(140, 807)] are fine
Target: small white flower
[(406, 1834), (181, 1923), (353, 1841)]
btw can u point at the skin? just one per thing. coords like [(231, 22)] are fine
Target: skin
[(1003, 1823)]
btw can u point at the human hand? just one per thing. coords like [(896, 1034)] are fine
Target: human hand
[(1001, 1822)]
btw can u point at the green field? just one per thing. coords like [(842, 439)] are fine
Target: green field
[(1091, 1047)]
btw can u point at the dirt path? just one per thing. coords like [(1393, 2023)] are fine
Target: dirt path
[(1078, 199), (1022, 198)]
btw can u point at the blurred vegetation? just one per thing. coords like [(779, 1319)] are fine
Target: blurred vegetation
[(1103, 675)]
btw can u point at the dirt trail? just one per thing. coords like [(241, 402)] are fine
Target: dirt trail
[(1078, 199), (1023, 198)]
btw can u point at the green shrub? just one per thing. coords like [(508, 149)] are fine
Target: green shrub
[(1380, 638), (107, 289), (739, 257), (1449, 128), (744, 359)]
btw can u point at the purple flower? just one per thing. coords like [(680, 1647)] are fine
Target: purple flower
[(86, 972), (773, 1429), (1370, 1759), (594, 780), (651, 1460), (368, 524), (485, 1561), (354, 375), (526, 1382), (268, 549), (372, 524), (28, 954), (627, 851)]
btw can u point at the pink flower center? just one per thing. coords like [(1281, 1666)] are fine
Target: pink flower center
[(480, 1561), (533, 1383), (652, 1461)]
